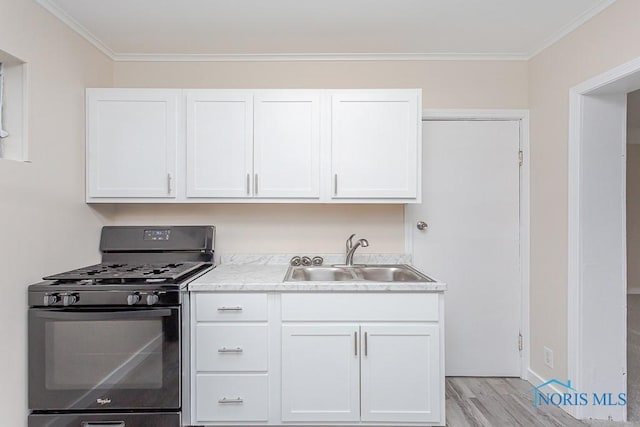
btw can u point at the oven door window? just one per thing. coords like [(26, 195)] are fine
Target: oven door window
[(104, 359)]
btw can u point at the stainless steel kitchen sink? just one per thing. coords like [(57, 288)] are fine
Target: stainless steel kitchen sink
[(356, 273)]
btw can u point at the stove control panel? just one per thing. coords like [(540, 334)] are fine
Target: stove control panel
[(135, 297)]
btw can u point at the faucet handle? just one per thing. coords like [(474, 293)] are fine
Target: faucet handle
[(306, 261), (295, 261), (317, 260)]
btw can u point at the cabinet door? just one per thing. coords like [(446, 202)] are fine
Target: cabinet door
[(287, 144), (131, 142), (375, 150), (320, 373), (401, 375), (219, 143)]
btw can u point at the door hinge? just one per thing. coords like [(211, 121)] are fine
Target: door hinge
[(520, 342), (520, 157)]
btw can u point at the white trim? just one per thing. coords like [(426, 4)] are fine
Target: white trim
[(525, 228), (572, 26), (612, 80), (535, 380), (284, 57), (59, 13)]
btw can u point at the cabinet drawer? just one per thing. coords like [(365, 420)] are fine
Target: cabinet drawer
[(360, 307), (213, 307), (232, 397), (221, 347)]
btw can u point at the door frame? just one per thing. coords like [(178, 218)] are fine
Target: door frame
[(521, 116), (617, 81)]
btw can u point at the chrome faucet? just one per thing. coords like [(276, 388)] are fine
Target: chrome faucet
[(350, 248)]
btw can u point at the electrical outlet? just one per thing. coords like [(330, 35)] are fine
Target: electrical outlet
[(548, 357)]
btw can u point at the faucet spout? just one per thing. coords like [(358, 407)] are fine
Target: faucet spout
[(351, 249)]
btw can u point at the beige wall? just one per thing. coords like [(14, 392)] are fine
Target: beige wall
[(604, 42), (44, 225), (319, 228)]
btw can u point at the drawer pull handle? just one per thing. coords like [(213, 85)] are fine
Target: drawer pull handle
[(236, 400), (238, 308), (230, 350)]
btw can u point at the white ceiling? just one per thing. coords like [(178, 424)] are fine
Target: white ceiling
[(329, 29)]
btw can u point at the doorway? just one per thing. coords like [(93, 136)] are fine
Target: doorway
[(474, 241), (597, 270)]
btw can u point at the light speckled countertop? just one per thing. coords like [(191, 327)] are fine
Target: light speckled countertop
[(265, 273)]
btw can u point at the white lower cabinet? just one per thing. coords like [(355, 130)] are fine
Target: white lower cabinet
[(320, 373), (307, 359), (351, 372), (400, 368)]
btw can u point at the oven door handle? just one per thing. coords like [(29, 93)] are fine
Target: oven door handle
[(103, 315)]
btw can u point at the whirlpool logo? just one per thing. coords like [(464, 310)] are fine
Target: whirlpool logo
[(571, 397), (104, 401)]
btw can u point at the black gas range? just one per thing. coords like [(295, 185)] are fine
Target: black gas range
[(108, 342)]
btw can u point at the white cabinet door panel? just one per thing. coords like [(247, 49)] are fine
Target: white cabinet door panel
[(132, 142), (219, 143), (287, 144), (401, 376), (374, 144), (320, 373)]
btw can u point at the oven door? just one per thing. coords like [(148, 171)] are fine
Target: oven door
[(104, 358)]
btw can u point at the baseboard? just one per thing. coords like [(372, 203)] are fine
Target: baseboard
[(535, 380)]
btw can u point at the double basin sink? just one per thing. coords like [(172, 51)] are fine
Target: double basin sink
[(355, 273)]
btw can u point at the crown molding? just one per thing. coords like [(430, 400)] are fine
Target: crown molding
[(572, 26), (77, 27), (286, 57)]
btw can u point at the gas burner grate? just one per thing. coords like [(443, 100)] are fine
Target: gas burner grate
[(127, 273)]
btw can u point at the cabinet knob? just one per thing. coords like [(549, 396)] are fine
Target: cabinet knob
[(421, 225)]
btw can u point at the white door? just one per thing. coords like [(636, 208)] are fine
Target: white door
[(320, 372), (132, 137), (471, 205), (287, 144), (219, 143), (400, 373)]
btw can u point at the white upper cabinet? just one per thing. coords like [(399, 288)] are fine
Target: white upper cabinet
[(253, 146), (375, 144), (219, 143), (132, 137), (287, 144)]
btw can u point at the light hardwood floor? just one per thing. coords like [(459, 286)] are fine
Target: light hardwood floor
[(503, 402)]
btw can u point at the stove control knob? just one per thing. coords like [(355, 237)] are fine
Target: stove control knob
[(152, 299), (69, 299), (51, 299), (133, 299)]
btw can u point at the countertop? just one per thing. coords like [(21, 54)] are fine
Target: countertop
[(266, 274)]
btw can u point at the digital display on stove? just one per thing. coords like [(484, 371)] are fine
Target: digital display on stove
[(157, 234)]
